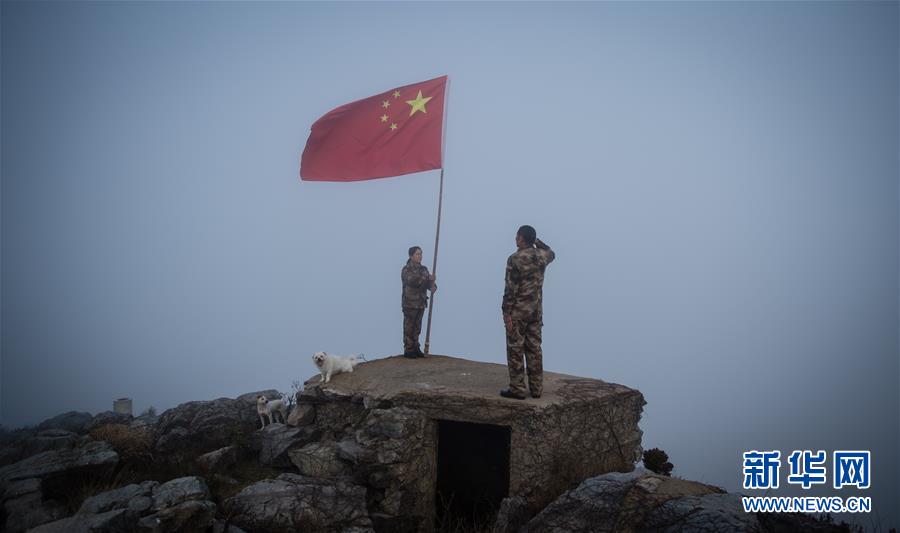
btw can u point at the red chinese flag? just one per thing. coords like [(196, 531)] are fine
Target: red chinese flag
[(393, 133)]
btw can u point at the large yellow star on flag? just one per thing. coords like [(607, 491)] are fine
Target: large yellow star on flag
[(418, 104)]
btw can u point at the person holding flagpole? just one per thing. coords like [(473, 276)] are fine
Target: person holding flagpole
[(395, 132), (416, 282)]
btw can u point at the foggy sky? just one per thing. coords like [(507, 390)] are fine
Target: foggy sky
[(719, 182)]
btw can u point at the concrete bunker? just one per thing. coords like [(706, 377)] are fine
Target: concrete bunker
[(416, 433)]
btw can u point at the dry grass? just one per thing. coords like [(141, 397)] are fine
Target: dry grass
[(131, 444)]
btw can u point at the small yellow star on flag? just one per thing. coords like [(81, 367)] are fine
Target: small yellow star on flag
[(396, 94), (384, 118), (385, 104), (393, 126), (418, 104)]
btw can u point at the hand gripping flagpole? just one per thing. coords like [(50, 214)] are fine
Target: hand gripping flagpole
[(437, 233)]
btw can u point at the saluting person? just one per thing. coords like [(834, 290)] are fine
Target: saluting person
[(523, 313)]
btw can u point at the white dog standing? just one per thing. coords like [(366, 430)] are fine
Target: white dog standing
[(331, 365), (267, 408)]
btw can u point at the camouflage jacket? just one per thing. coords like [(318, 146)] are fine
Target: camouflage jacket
[(525, 281), (415, 285)]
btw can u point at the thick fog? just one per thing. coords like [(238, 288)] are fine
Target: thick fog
[(719, 182)]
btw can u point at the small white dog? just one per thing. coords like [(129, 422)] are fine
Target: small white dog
[(267, 408), (331, 365)]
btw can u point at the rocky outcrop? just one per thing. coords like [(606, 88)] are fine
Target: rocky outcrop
[(219, 460), (293, 502), (644, 501), (179, 505), (195, 428), (359, 454), (512, 515), (74, 421), (275, 441), (33, 488), (118, 521), (108, 417), (27, 444), (135, 497)]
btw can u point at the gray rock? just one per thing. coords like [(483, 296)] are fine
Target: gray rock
[(137, 497), (318, 460), (276, 440), (188, 516), (108, 417), (220, 459), (33, 443), (641, 500), (118, 521), (222, 526), (511, 516), (194, 428), (25, 506), (144, 422), (302, 414), (180, 490), (353, 452), (74, 421), (94, 458), (713, 512), (300, 503), (225, 480), (22, 483)]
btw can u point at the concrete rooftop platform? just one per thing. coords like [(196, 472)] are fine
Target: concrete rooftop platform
[(440, 376)]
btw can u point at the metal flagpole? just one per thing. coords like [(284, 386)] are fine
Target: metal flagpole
[(437, 237), (437, 233)]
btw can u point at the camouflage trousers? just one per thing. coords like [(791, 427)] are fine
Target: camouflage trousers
[(412, 326), (524, 341)]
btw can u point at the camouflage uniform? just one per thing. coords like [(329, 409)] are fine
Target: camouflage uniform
[(522, 302), (416, 283)]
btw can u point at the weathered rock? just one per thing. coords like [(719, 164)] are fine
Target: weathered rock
[(25, 507), (512, 515), (607, 503), (73, 421), (222, 526), (276, 440), (92, 459), (117, 521), (352, 452), (318, 460), (301, 415), (146, 421), (33, 487), (180, 490), (108, 417), (188, 516), (137, 497), (643, 501), (300, 503), (220, 459), (713, 512), (195, 428), (33, 443), (178, 505)]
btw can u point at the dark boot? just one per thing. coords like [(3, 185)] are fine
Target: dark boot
[(506, 393)]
